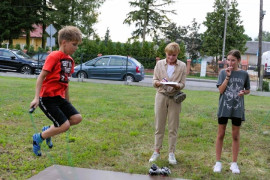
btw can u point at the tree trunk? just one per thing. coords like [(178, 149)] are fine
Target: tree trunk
[(28, 39), (43, 43)]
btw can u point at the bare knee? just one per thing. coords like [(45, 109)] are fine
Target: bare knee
[(75, 119), (235, 137), (221, 135)]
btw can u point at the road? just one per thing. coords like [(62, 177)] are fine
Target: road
[(200, 84), (191, 83)]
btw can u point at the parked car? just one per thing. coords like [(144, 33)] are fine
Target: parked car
[(266, 63), (40, 56), (111, 67), (252, 67), (16, 60)]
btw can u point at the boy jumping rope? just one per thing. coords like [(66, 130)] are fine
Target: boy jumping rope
[(52, 94)]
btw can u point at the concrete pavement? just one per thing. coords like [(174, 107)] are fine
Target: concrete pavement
[(72, 173)]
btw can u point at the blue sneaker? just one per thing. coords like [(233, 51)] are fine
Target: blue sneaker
[(36, 144), (48, 140)]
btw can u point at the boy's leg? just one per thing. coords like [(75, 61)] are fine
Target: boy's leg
[(48, 140), (75, 119), (52, 131), (71, 113), (50, 107), (37, 140)]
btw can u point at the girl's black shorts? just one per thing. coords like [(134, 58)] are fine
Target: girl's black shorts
[(235, 121)]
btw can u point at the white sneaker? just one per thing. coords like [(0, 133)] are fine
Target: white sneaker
[(217, 167), (154, 157), (234, 167), (172, 159)]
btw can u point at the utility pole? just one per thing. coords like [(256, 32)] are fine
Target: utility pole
[(225, 30), (259, 65)]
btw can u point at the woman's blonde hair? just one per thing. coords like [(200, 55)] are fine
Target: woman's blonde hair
[(70, 33), (172, 47)]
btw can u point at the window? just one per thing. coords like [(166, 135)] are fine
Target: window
[(125, 62), (7, 54), (102, 61), (116, 62)]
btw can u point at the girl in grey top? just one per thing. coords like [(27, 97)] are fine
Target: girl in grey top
[(233, 84)]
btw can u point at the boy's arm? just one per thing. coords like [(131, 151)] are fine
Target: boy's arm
[(40, 80), (67, 94)]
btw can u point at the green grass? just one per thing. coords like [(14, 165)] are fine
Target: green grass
[(117, 133)]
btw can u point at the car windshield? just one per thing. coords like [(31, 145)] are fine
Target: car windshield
[(91, 62), (21, 54)]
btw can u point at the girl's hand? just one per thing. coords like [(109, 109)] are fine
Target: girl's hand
[(229, 71), (241, 93)]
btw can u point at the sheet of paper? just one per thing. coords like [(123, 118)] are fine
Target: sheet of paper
[(168, 82)]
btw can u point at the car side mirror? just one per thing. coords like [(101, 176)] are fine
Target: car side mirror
[(12, 57)]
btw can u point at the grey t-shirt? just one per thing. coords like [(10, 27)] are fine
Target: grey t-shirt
[(230, 104)]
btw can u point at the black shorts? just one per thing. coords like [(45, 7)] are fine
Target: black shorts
[(57, 109), (235, 121)]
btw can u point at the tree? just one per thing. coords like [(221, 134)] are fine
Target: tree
[(174, 33), (149, 18), (213, 36), (82, 14), (107, 36), (193, 40), (248, 38), (119, 48), (265, 36), (17, 17)]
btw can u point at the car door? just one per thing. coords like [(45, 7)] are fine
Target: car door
[(99, 69), (116, 68), (8, 60)]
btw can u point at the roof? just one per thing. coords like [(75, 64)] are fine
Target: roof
[(37, 32), (252, 47)]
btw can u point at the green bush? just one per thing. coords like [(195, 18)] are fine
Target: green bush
[(17, 46), (265, 86)]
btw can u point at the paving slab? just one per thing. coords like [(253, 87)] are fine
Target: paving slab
[(58, 172)]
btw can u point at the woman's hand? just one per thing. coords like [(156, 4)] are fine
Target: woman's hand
[(176, 86), (158, 84)]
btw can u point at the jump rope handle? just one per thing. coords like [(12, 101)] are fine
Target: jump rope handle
[(31, 110)]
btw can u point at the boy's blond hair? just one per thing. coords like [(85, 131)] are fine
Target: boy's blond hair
[(172, 47), (70, 33)]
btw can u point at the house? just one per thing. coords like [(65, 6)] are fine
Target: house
[(35, 38), (252, 50)]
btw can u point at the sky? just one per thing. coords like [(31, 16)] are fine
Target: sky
[(113, 13)]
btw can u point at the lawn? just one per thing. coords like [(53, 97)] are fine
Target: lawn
[(117, 133)]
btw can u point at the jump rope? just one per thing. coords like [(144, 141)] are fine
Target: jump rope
[(70, 162)]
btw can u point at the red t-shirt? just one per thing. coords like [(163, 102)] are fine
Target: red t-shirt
[(60, 67)]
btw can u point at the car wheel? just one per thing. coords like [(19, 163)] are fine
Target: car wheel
[(26, 70), (129, 78), (82, 74)]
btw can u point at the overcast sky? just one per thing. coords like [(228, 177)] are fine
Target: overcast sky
[(113, 13)]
